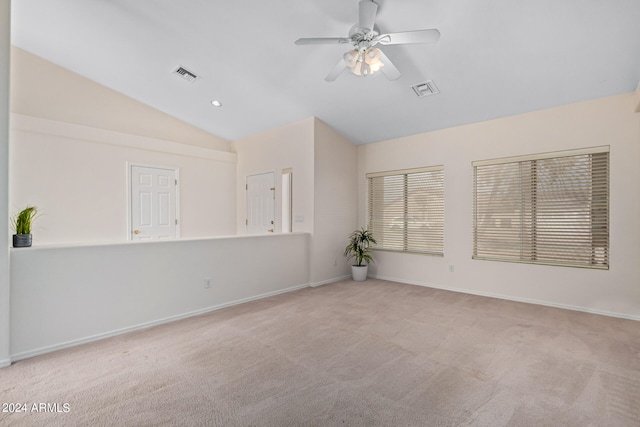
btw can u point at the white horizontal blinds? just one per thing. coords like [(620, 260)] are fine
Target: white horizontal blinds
[(552, 210), (406, 210)]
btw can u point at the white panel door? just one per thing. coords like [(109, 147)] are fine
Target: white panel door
[(153, 203), (260, 203)]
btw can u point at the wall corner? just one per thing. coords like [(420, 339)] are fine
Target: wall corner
[(5, 282)]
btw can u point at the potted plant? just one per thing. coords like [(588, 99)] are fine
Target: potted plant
[(359, 247), (21, 224)]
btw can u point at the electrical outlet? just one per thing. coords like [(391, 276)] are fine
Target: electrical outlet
[(451, 269), (207, 283)]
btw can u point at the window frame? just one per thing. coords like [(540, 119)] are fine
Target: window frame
[(569, 233), (377, 220)]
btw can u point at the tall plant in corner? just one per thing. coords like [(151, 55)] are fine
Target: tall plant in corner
[(359, 247), (21, 224)]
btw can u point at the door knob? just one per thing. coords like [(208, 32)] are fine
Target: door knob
[(137, 231), (270, 230)]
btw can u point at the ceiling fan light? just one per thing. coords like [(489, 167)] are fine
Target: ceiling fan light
[(372, 56), (376, 67), (365, 69), (359, 69), (350, 58), (363, 62), (355, 69)]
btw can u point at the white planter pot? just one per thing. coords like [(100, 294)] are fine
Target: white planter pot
[(359, 273)]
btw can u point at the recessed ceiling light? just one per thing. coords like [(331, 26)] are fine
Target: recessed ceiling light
[(216, 103)]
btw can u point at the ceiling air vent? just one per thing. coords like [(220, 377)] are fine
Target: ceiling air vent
[(425, 89), (185, 74)]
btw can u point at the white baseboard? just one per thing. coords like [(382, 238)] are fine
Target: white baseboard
[(4, 363), (512, 298), (73, 343), (333, 280)]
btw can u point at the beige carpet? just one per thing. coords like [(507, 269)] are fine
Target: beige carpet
[(346, 354)]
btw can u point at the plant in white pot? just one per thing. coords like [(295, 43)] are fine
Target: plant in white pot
[(21, 224), (359, 247)]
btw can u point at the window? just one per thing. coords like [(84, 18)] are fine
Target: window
[(406, 210), (547, 209)]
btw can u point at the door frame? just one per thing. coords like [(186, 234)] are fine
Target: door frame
[(288, 190), (175, 169)]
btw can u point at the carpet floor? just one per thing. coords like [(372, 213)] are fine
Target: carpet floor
[(345, 354)]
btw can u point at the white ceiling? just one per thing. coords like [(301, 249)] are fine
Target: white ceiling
[(495, 58)]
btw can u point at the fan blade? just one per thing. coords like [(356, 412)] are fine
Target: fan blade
[(388, 68), (368, 10), (339, 68), (408, 37), (324, 40)]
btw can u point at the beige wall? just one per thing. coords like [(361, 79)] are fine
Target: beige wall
[(324, 187), (43, 89), (608, 121), (289, 146), (78, 178), (336, 189), (71, 141)]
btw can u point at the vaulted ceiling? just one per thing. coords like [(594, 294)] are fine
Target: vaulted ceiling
[(494, 58)]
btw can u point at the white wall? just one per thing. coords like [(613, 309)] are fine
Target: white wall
[(5, 33), (77, 176), (336, 195), (63, 296), (608, 121), (289, 146)]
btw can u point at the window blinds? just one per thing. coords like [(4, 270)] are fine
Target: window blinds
[(406, 210), (547, 209)]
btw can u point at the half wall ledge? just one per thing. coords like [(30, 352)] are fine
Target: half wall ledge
[(63, 296)]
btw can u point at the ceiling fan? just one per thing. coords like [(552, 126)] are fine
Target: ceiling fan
[(365, 59)]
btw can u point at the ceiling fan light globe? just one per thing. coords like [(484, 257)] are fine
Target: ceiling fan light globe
[(358, 69), (350, 58), (365, 69), (372, 56), (372, 60), (376, 67)]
